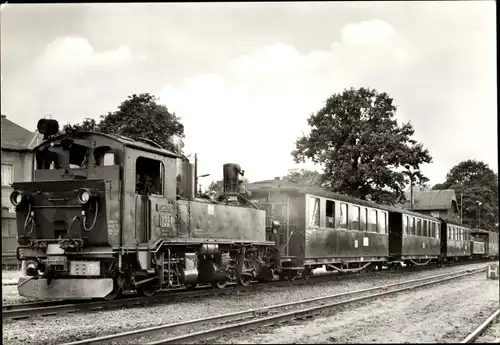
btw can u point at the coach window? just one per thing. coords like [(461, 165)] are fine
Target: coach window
[(424, 232), (412, 226), (372, 227), (419, 227), (383, 223), (330, 214), (356, 221), (438, 230), (149, 176), (314, 207), (343, 216), (364, 218), (405, 225)]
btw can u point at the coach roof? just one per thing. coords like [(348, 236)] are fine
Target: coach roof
[(290, 186)]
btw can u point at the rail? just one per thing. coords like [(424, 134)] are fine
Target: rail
[(477, 332), (260, 317)]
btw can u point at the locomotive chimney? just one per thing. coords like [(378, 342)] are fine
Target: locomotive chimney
[(231, 176)]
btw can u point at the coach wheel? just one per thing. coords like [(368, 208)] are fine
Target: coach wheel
[(291, 275), (306, 274)]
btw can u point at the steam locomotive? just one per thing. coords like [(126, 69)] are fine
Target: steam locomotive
[(106, 214)]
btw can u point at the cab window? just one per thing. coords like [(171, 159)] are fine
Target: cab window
[(149, 176)]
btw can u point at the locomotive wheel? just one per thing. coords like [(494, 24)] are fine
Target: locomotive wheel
[(221, 284), (146, 289), (242, 276), (116, 292)]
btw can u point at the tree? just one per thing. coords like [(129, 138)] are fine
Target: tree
[(216, 187), (360, 145), (304, 176), (475, 181), (140, 116)]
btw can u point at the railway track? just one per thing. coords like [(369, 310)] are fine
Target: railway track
[(55, 307), (479, 330), (219, 325)]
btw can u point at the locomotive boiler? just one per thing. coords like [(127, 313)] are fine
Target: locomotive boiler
[(105, 214)]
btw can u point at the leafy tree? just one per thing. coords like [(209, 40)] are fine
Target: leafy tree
[(475, 181), (139, 116), (304, 176), (360, 145)]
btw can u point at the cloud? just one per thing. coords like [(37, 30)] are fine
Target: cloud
[(68, 57), (253, 113), (71, 72)]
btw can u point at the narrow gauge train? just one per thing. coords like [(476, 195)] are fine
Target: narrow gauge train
[(106, 214), (321, 228)]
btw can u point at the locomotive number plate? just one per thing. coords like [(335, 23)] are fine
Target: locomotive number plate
[(165, 221)]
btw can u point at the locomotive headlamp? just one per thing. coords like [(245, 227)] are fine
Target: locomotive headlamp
[(32, 269), (84, 195), (16, 198)]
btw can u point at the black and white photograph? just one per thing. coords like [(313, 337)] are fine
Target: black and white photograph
[(304, 172)]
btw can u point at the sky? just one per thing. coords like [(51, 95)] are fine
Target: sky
[(244, 77)]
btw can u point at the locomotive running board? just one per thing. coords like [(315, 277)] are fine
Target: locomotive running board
[(65, 288)]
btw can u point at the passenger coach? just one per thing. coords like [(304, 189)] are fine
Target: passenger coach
[(414, 238), (456, 240), (319, 227)]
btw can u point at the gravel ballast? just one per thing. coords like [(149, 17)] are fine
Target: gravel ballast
[(442, 313), (64, 328)]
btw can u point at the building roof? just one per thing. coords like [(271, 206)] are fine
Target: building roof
[(15, 137), (431, 200)]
